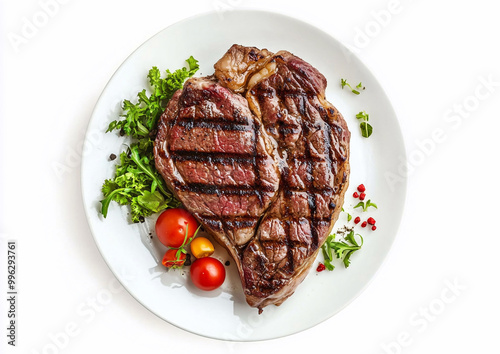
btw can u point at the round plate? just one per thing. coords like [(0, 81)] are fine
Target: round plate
[(377, 162)]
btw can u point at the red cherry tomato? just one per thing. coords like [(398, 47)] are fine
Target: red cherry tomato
[(171, 227), (207, 273), (173, 258)]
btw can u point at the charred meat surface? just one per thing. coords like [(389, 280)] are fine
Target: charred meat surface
[(261, 158)]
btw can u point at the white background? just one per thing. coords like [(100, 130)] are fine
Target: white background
[(437, 291)]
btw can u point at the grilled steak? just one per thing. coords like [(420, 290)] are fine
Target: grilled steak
[(265, 171), (288, 95), (217, 159)]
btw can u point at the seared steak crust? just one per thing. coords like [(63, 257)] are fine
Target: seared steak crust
[(264, 171)]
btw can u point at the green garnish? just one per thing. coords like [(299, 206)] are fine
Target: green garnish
[(363, 115), (137, 185), (327, 253), (136, 181), (342, 249), (344, 83), (366, 129), (366, 205)]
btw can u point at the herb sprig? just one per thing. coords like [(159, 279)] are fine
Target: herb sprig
[(366, 129), (343, 83), (341, 249)]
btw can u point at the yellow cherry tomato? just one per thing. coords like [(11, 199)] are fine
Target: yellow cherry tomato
[(201, 247)]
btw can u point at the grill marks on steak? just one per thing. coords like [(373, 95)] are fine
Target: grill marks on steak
[(215, 157), (287, 94)]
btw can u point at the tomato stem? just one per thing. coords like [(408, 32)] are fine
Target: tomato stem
[(181, 248)]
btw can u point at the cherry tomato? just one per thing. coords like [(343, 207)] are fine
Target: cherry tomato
[(171, 227), (201, 247), (173, 258), (207, 273)]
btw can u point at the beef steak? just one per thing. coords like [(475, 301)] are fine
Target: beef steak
[(288, 95), (216, 158), (261, 159)]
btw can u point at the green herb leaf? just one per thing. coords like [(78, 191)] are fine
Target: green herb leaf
[(370, 204), (360, 204), (154, 201), (347, 258), (145, 164), (328, 265), (110, 196), (351, 238), (366, 129), (327, 253)]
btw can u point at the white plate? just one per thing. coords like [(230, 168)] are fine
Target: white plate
[(224, 314)]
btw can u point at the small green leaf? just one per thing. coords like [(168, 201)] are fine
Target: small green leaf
[(327, 253), (351, 238), (347, 258), (360, 204), (366, 129), (328, 265), (153, 201), (370, 204), (106, 201), (366, 205)]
